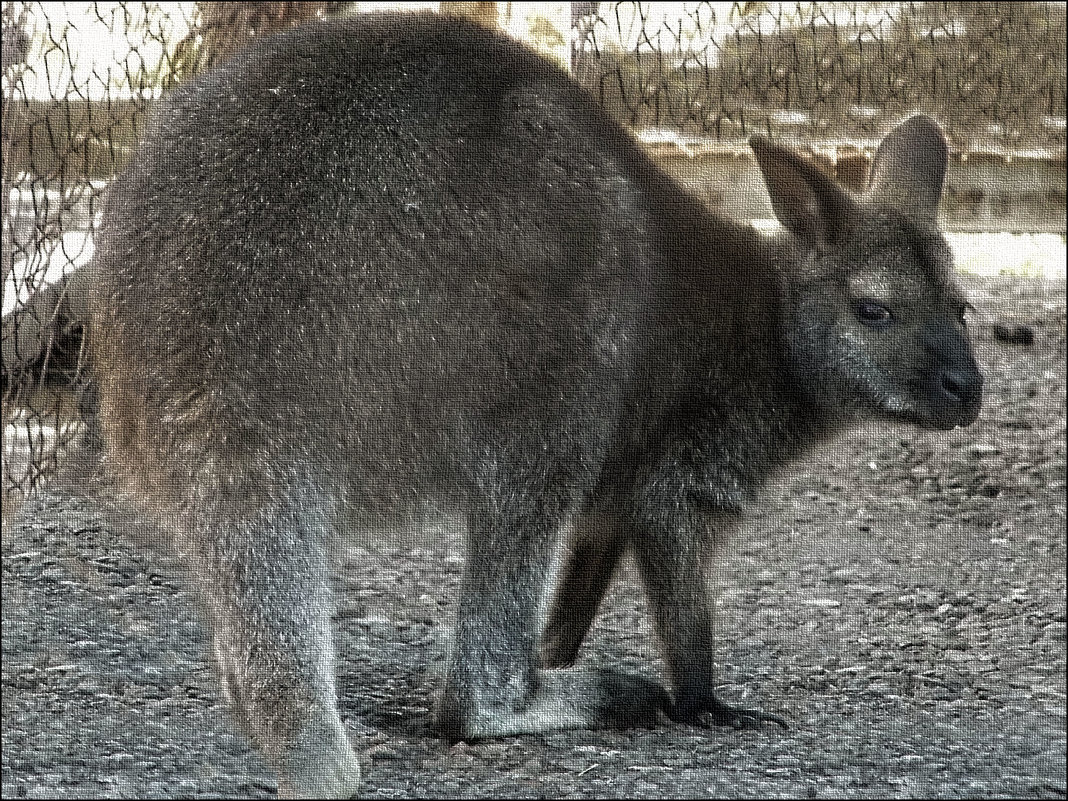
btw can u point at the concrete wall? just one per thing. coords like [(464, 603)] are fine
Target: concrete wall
[(984, 192)]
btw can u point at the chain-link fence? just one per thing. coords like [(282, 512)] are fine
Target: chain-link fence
[(78, 79), (993, 73)]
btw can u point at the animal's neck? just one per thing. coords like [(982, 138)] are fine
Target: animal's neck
[(778, 398)]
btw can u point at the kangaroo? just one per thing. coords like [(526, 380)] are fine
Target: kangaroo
[(397, 267)]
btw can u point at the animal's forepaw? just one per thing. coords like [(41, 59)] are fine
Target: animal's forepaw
[(712, 712)]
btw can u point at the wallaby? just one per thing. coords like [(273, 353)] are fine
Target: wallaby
[(401, 266)]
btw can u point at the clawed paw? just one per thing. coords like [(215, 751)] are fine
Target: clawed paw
[(712, 712)]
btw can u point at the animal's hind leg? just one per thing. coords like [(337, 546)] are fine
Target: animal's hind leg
[(593, 553), (263, 577), (494, 687)]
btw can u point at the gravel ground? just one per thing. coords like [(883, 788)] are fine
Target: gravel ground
[(900, 598)]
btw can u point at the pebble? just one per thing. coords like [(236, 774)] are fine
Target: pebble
[(1014, 334), (1055, 631)]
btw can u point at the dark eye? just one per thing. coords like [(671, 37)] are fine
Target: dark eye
[(871, 313)]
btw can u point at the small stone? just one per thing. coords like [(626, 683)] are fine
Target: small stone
[(1014, 334), (1054, 631)]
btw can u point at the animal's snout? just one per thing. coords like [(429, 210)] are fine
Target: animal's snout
[(956, 384), (962, 392), (964, 385)]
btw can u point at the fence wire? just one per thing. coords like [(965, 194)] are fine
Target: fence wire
[(79, 78), (992, 73)]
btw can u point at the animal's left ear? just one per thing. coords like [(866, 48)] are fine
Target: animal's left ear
[(808, 203), (910, 168)]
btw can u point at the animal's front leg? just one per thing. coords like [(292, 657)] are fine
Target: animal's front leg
[(670, 550)]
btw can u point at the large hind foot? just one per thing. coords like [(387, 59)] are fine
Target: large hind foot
[(564, 699), (320, 763)]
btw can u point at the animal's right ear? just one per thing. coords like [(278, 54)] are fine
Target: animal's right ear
[(910, 168), (808, 203)]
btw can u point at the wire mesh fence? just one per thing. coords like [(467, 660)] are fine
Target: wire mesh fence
[(993, 73), (79, 79)]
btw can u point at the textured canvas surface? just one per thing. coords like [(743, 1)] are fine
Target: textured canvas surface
[(898, 597)]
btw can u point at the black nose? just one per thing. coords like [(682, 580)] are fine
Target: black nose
[(965, 385)]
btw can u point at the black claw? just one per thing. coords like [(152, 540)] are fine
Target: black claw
[(751, 719), (713, 712)]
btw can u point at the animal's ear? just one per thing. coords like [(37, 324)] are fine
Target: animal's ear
[(810, 204), (910, 167)]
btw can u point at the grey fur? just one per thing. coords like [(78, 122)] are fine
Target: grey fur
[(401, 266)]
